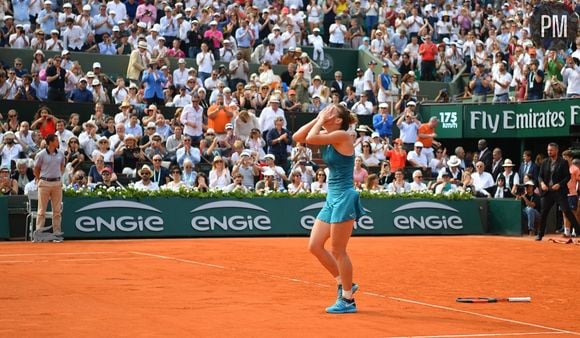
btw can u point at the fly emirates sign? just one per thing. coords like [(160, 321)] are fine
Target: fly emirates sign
[(505, 122)]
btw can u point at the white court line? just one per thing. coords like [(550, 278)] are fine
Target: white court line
[(60, 253), (77, 260), (440, 307), (177, 259), (483, 335)]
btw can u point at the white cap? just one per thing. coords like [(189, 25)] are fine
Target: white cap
[(54, 31), (375, 134), (151, 125), (419, 144), (160, 38), (122, 22), (90, 74), (116, 29), (268, 172), (47, 2), (142, 25), (316, 29), (155, 28), (384, 105), (411, 103), (96, 82), (213, 23), (67, 5), (167, 8), (86, 7), (96, 65), (229, 126), (178, 16), (64, 52), (181, 61), (270, 156)]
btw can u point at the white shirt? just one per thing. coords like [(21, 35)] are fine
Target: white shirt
[(205, 62), (181, 101), (273, 58), (119, 8), (506, 78), (337, 33), (369, 76), (73, 37), (482, 181), (316, 41), (358, 84), (190, 114), (418, 186), (64, 137), (268, 117), (291, 40), (360, 108), (419, 159), (180, 77), (119, 94), (25, 139), (19, 41), (408, 132), (9, 154), (152, 186), (572, 78)]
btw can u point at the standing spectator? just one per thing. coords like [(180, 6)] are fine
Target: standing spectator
[(484, 154), (279, 139), (55, 76), (48, 170), (219, 115), (269, 114), (409, 126), (81, 94), (138, 61), (535, 83), (497, 163), (553, 178), (205, 61), (426, 135), (571, 75), (480, 85), (501, 84), (528, 167), (428, 51), (153, 79), (337, 32)]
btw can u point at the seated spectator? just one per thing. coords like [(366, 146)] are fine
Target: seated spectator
[(279, 139), (482, 180), (22, 175), (160, 173), (398, 185), (88, 138), (146, 183), (44, 121), (10, 148), (244, 123), (201, 183), (466, 184), (416, 158), (500, 189), (130, 153), (103, 149), (95, 173), (360, 174), (385, 175), (8, 186), (237, 185), (439, 162), (247, 167), (108, 181), (74, 154), (319, 185), (188, 175), (78, 180), (444, 185), (418, 184), (219, 176), (268, 184), (372, 183), (317, 105), (296, 185), (155, 147), (367, 155), (176, 183)]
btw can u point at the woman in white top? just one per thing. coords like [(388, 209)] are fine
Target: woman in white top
[(176, 183), (297, 186), (400, 24), (219, 176), (103, 148), (314, 11), (319, 186), (369, 158), (409, 85), (256, 143), (337, 33), (439, 162), (189, 175)]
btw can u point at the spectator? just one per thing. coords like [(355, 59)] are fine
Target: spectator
[(398, 185), (97, 169), (417, 158), (530, 206), (360, 174), (153, 79), (500, 189), (176, 184), (219, 176), (417, 184), (440, 163), (21, 176), (367, 155), (571, 76), (82, 94), (482, 180), (268, 184), (528, 167), (497, 163), (501, 82), (146, 183), (484, 154), (408, 124), (535, 83), (187, 152), (296, 185), (247, 168), (159, 172), (444, 185)]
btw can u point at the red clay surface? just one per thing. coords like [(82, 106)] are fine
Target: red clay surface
[(272, 287)]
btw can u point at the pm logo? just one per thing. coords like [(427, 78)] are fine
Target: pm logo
[(230, 215), (366, 222), (427, 216), (131, 217)]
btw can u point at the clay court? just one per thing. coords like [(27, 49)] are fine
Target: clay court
[(272, 287)]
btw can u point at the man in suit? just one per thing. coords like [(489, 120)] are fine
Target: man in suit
[(500, 189), (338, 84), (484, 154), (528, 167), (553, 179), (496, 163)]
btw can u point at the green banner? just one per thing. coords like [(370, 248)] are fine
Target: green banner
[(4, 225), (534, 119), (181, 217), (450, 119)]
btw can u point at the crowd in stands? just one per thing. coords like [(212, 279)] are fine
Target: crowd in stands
[(229, 131)]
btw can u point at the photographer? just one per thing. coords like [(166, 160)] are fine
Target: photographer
[(571, 75), (530, 204)]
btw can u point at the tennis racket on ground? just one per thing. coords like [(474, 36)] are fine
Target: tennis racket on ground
[(494, 300)]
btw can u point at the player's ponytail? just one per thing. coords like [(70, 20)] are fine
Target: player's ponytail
[(348, 118)]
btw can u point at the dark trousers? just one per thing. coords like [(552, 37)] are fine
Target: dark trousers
[(427, 68), (55, 94), (548, 201)]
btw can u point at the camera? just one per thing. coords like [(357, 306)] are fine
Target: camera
[(520, 189)]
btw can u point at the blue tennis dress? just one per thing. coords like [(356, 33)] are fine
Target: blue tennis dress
[(342, 201)]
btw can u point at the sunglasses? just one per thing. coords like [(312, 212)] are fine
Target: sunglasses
[(210, 134), (71, 142), (156, 160), (186, 140)]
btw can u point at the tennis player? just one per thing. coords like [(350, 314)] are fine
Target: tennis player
[(342, 207)]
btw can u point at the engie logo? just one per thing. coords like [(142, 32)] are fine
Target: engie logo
[(130, 219), (235, 215), (427, 216), (366, 222)]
